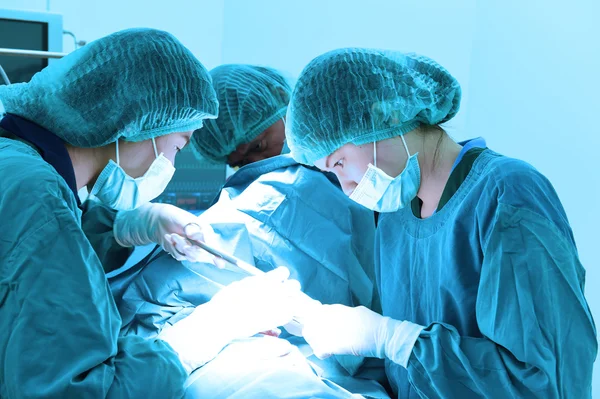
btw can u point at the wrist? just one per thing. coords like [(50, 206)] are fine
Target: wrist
[(138, 226), (398, 340)]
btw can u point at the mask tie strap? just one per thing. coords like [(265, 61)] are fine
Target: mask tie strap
[(117, 150), (375, 153), (406, 148), (154, 144)]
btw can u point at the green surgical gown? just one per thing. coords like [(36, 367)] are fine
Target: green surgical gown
[(495, 278), (59, 325)]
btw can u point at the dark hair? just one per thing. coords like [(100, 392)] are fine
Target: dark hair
[(433, 129)]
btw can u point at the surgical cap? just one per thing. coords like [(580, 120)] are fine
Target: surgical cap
[(251, 98), (135, 85), (363, 95)]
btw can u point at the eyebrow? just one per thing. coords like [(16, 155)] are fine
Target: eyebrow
[(327, 161)]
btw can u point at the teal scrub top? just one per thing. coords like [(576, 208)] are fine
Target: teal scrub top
[(59, 330)]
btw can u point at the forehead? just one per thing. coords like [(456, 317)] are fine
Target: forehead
[(322, 163), (349, 152), (178, 136)]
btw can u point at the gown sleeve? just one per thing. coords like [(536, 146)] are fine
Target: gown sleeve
[(97, 222)]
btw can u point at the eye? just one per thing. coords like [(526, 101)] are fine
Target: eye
[(258, 147), (339, 163)]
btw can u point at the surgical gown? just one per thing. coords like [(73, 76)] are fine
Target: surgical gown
[(59, 325), (273, 212), (495, 278)]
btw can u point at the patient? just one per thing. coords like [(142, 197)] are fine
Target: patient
[(270, 213)]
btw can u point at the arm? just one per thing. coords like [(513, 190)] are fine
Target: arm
[(540, 339), (539, 336), (164, 225), (59, 323), (97, 222)]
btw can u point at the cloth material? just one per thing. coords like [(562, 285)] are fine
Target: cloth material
[(359, 96), (459, 172), (51, 148), (495, 277), (256, 219), (97, 222), (135, 84), (251, 98), (383, 193), (240, 310), (57, 311), (117, 189)]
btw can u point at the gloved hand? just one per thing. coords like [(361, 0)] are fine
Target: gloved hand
[(240, 310), (259, 303), (342, 330), (162, 224)]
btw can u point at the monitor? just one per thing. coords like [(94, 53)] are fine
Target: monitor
[(28, 30), (195, 184)]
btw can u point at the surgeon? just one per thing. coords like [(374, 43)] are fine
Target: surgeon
[(250, 127), (111, 116), (481, 286)]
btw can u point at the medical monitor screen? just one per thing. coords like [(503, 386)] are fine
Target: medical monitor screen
[(195, 184), (22, 35)]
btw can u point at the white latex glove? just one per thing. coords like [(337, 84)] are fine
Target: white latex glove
[(342, 330), (240, 310), (162, 224)]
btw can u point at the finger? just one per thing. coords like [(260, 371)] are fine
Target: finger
[(292, 285), (311, 336), (194, 232), (220, 263), (280, 274), (182, 246), (274, 332), (169, 246)]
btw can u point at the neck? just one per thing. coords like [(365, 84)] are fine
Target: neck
[(87, 163), (437, 154)]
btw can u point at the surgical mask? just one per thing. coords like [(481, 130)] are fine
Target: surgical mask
[(285, 149), (381, 193), (118, 190)]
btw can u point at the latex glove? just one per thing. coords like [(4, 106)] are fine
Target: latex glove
[(162, 224), (342, 330), (259, 303), (240, 310)]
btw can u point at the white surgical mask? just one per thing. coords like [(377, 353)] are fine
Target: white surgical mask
[(381, 193), (285, 149), (120, 191)]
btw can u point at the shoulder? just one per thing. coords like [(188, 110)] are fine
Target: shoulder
[(515, 181), (510, 172), (21, 159), (519, 188), (28, 182)]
